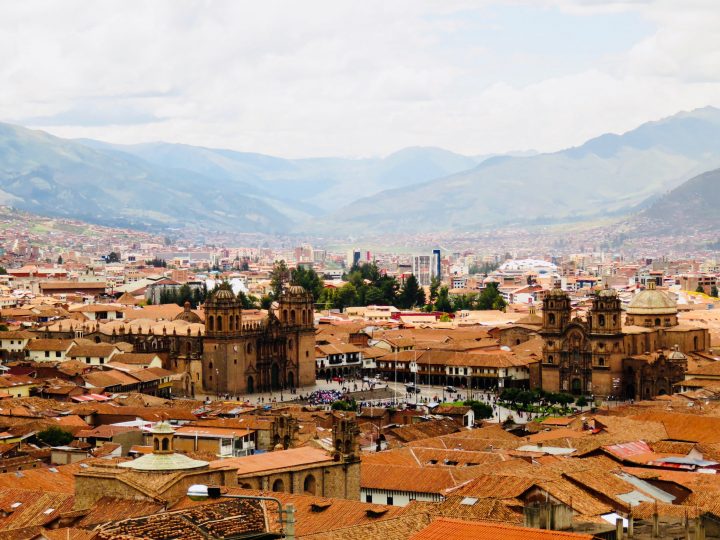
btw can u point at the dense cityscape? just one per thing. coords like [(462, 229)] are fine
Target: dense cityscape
[(404, 270), (369, 392)]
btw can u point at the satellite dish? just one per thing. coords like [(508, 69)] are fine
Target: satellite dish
[(505, 348)]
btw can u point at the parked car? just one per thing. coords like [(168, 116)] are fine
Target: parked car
[(412, 389), (450, 389)]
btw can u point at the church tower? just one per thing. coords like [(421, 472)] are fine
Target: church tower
[(295, 312), (607, 345), (605, 314), (556, 311), (222, 346), (345, 437)]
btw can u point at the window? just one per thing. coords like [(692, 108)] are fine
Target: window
[(389, 499), (601, 320), (551, 318), (550, 359), (601, 361), (57, 354), (368, 497), (47, 354)]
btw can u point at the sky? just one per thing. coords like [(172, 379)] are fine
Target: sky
[(362, 78)]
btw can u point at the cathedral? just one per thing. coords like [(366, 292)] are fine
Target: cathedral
[(271, 354), (600, 356), (225, 355)]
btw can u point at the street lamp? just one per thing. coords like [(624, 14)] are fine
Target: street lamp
[(286, 517)]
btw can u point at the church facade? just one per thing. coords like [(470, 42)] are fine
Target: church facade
[(226, 354), (600, 356), (275, 353)]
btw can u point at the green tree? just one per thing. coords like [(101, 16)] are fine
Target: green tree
[(491, 298), (409, 293), (265, 301), (309, 280), (443, 301), (581, 402), (342, 405), (714, 291), (564, 399), (59, 259), (482, 410), (113, 257), (3, 271), (55, 436), (435, 284), (345, 296), (279, 276), (700, 289)]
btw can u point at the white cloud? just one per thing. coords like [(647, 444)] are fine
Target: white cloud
[(348, 78)]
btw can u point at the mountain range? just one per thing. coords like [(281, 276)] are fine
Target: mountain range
[(159, 185)]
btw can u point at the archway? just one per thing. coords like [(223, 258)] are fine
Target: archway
[(250, 385), (211, 323), (576, 387), (278, 485), (309, 484), (291, 379)]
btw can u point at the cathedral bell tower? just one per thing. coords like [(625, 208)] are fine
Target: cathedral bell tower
[(223, 314), (345, 435), (222, 344), (606, 314), (556, 311), (295, 307)]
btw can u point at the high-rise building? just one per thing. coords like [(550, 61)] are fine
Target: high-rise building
[(422, 269), (436, 268)]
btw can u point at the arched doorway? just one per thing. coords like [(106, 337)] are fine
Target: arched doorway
[(291, 379), (275, 376), (576, 387), (250, 385), (278, 485)]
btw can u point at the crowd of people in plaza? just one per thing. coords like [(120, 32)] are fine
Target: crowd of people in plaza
[(324, 397)]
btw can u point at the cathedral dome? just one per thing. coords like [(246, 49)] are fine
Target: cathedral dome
[(222, 297), (556, 292), (163, 458), (187, 315), (607, 293), (652, 302), (296, 290)]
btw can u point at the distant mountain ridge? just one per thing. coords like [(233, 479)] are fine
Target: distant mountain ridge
[(691, 207), (608, 175), (417, 189)]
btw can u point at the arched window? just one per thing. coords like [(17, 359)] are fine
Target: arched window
[(211, 323), (292, 316), (278, 485), (166, 444), (601, 320), (219, 323), (309, 484), (551, 318), (157, 444), (657, 322), (550, 359), (285, 316)]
